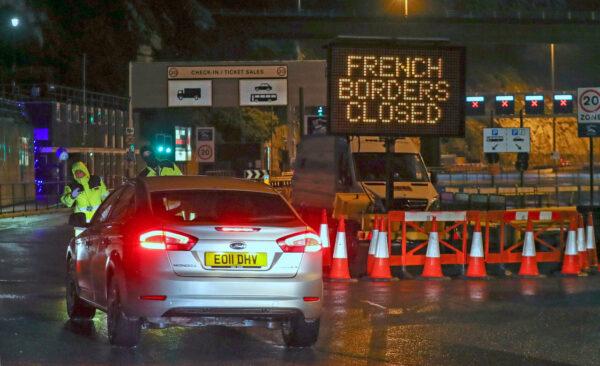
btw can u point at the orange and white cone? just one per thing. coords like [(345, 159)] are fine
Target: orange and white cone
[(529, 265), (433, 263), (381, 260), (571, 264), (476, 267), (324, 235), (591, 242), (339, 263), (581, 247), (373, 245)]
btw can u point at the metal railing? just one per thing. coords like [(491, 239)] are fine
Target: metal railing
[(27, 197), (24, 197), (531, 178), (546, 15), (59, 93)]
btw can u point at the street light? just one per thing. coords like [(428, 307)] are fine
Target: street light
[(14, 22)]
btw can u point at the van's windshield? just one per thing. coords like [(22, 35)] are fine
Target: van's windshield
[(406, 167)]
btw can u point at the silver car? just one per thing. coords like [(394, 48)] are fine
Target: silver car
[(196, 251)]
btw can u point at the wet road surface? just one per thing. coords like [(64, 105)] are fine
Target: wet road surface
[(552, 321)]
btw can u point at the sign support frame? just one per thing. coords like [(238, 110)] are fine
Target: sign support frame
[(390, 143), (591, 174)]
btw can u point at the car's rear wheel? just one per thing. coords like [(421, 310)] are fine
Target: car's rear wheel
[(77, 309), (297, 332), (121, 330)]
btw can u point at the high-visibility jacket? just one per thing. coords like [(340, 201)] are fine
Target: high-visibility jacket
[(164, 168), (92, 192)]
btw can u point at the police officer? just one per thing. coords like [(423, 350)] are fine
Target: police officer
[(87, 191), (155, 167)]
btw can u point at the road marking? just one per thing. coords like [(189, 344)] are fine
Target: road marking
[(374, 304)]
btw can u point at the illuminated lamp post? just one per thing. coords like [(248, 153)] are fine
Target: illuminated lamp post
[(14, 22)]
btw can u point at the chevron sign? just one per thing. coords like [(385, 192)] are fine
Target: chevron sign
[(255, 173)]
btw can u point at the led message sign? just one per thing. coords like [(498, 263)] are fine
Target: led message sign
[(392, 89)]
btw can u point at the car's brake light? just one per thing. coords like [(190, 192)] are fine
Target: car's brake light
[(231, 229), (166, 240), (304, 241)]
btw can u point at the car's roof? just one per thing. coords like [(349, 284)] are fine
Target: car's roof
[(175, 183)]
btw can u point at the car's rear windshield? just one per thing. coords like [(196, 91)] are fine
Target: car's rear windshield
[(222, 207)]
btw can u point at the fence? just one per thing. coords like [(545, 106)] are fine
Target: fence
[(22, 197), (310, 10), (497, 198), (502, 231)]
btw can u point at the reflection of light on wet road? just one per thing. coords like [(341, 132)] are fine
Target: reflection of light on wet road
[(572, 285), (477, 290), (529, 287), (433, 289)]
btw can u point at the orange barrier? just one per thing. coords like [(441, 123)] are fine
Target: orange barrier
[(498, 248), (418, 222), (543, 223)]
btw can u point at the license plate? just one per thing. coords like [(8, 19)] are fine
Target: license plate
[(240, 260)]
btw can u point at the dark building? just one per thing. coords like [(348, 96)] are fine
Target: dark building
[(90, 126), (16, 154)]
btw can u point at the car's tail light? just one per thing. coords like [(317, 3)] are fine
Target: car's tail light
[(166, 240), (304, 241)]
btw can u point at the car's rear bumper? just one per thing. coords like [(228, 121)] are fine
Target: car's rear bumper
[(254, 298)]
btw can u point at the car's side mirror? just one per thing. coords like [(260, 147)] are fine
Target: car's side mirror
[(77, 219), (433, 177)]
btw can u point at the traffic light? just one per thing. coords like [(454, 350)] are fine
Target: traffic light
[(163, 144), (534, 104), (321, 111), (522, 163), (475, 106), (505, 105), (562, 104)]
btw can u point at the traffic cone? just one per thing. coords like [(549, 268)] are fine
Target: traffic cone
[(529, 265), (381, 261), (571, 264), (476, 267), (339, 263), (372, 245), (581, 246), (433, 264), (591, 243), (324, 234)]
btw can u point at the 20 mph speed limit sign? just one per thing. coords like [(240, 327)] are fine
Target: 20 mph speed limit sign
[(588, 112)]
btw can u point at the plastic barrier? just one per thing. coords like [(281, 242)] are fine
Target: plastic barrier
[(503, 233), (419, 222), (500, 249)]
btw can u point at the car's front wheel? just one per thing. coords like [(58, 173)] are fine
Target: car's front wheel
[(297, 332), (77, 309), (121, 330)]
